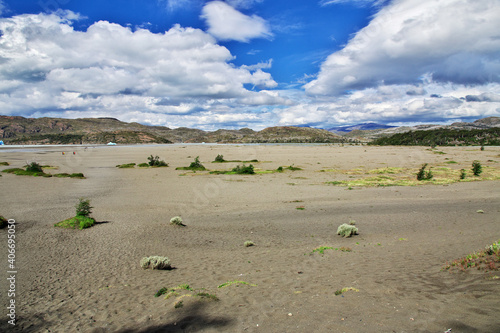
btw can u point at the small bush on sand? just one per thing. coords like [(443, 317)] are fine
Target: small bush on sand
[(462, 174), (244, 170), (155, 161), (219, 159), (177, 220), (476, 168), (34, 167), (346, 230), (196, 165), (125, 166), (83, 207), (82, 219), (424, 175), (143, 165), (155, 262), (249, 243)]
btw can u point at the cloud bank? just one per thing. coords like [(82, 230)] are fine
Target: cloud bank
[(49, 68), (453, 41)]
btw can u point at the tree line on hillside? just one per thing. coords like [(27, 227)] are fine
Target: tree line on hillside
[(443, 137)]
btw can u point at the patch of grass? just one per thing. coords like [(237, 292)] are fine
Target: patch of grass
[(463, 174), (249, 243), (300, 208), (451, 162), (22, 172), (486, 259), (126, 166), (346, 230), (230, 283), (76, 222), (155, 262), (386, 170), (343, 290), (244, 170), (177, 220), (183, 291), (322, 249), (210, 297), (4, 163), (78, 175), (143, 165)]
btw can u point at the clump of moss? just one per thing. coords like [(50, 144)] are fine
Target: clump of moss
[(248, 243), (346, 230), (155, 262)]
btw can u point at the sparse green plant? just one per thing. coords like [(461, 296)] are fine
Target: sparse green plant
[(322, 249), (424, 175), (4, 163), (76, 222), (477, 169), (346, 230), (155, 161), (352, 222), (196, 165), (300, 208), (125, 166), (487, 259), (155, 262), (219, 159), (83, 207), (177, 220), (343, 290), (229, 283), (34, 167), (143, 165), (248, 243), (162, 291), (244, 170), (280, 169), (482, 148), (463, 174)]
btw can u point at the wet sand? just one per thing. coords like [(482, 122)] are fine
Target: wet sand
[(91, 281)]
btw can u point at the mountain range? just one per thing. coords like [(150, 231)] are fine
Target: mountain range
[(20, 130)]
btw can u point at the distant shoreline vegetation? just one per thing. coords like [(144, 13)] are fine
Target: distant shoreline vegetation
[(442, 137)]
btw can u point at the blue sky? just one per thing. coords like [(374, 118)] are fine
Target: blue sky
[(251, 63)]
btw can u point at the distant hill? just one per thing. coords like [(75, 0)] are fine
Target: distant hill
[(20, 130), (359, 127)]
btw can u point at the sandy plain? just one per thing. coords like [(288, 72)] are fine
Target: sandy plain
[(91, 281)]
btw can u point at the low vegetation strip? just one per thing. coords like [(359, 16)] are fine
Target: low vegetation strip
[(443, 137)]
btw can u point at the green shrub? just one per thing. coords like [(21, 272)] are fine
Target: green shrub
[(79, 221), (346, 230), (176, 220), (125, 166), (424, 175), (249, 243), (196, 165), (477, 169), (462, 174), (143, 165), (34, 167), (219, 159), (155, 262), (83, 208), (155, 161), (244, 170), (67, 175), (3, 222), (280, 169), (4, 163)]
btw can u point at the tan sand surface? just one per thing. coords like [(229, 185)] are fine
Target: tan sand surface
[(91, 281)]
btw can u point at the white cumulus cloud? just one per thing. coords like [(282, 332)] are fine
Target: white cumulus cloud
[(49, 68), (226, 23), (453, 41)]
